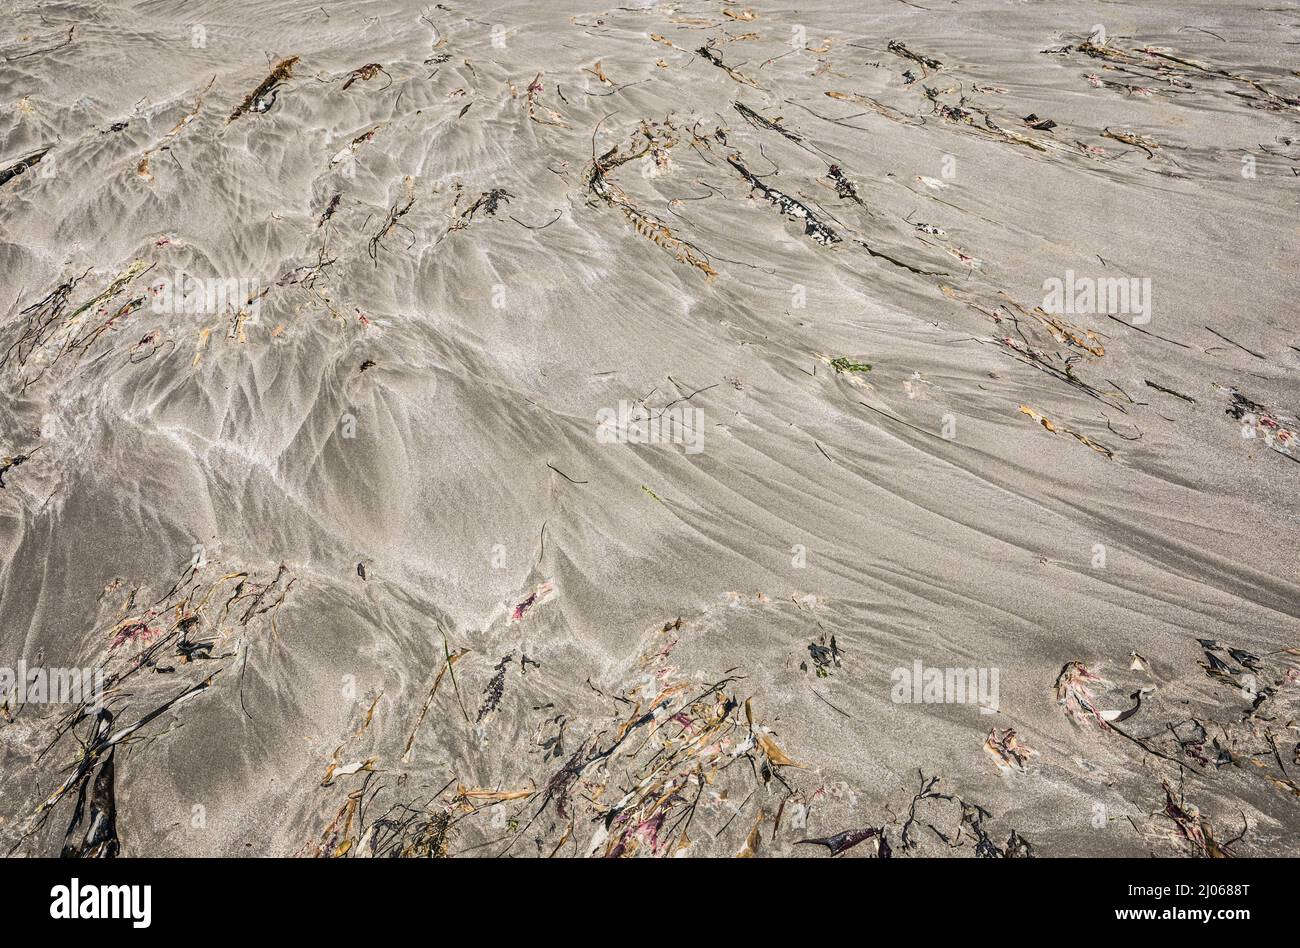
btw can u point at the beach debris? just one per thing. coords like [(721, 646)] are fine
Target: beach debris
[(842, 842), (92, 831), (1258, 423), (330, 209), (346, 153), (1074, 693), (1143, 142), (10, 462), (1168, 73), (876, 106), (338, 839), (492, 694), (549, 115), (335, 769), (825, 657), (772, 751), (654, 136), (843, 186), (401, 207), (1007, 751), (1169, 391), (970, 819), (792, 209), (1192, 828), (489, 202), (676, 753), (926, 62), (132, 632), (1138, 662), (451, 673), (66, 41), (408, 832), (263, 97), (845, 364), (758, 121), (143, 168), (20, 166), (755, 838), (449, 660), (45, 328), (1061, 429), (97, 749), (541, 593), (715, 57), (366, 73)]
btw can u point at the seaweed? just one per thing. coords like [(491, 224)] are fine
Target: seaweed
[(715, 58), (92, 831), (492, 694), (793, 209), (449, 660), (843, 186), (489, 202), (1169, 391), (22, 165), (7, 464), (1007, 750), (845, 364), (263, 97), (925, 62), (400, 209), (366, 73), (600, 184), (842, 842), (1056, 428), (99, 836), (43, 326), (553, 117), (1258, 422), (970, 821)]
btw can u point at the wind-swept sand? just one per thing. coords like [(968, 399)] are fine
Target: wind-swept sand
[(375, 491)]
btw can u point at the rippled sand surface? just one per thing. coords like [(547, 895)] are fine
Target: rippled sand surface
[(330, 340)]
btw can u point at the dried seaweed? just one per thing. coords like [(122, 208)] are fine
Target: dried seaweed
[(22, 165), (399, 210), (601, 185), (1007, 750), (92, 831), (366, 73), (793, 209), (1061, 429), (263, 97), (842, 842), (492, 694), (926, 62), (10, 462), (714, 57)]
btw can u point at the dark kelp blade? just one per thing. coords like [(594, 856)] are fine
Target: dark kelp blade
[(841, 842)]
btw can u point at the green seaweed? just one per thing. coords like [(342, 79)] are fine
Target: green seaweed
[(845, 364)]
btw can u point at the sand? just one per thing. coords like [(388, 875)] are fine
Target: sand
[(449, 253)]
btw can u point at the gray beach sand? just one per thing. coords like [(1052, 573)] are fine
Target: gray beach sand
[(331, 338)]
